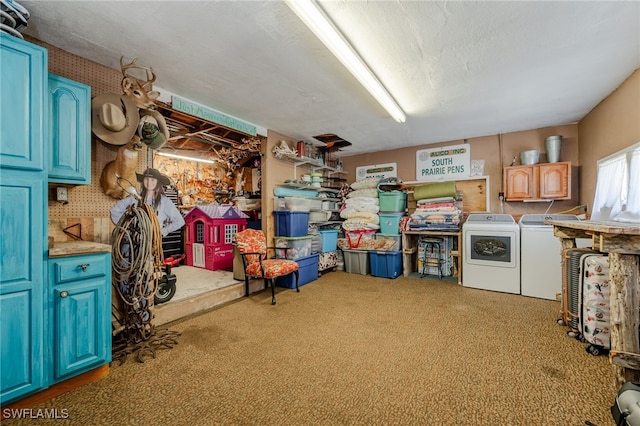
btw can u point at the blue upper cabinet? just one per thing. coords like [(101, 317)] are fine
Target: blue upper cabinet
[(23, 104), (69, 131)]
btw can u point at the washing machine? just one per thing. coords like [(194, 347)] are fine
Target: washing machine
[(541, 255), (491, 259)]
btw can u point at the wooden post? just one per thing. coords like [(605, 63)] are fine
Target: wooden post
[(625, 315)]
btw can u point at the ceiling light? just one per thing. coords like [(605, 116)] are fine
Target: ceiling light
[(309, 12), (184, 157)]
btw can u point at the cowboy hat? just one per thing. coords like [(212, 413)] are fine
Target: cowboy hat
[(152, 129), (154, 173), (114, 118)]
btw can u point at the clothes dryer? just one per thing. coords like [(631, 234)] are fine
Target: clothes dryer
[(491, 258), (541, 255)]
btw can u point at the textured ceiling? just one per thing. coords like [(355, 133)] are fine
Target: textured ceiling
[(458, 69)]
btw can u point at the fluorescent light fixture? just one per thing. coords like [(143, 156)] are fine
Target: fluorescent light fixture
[(184, 157), (318, 22)]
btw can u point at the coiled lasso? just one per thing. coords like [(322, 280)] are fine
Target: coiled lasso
[(137, 257)]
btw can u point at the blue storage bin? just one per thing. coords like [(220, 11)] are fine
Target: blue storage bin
[(291, 224), (385, 264), (307, 272), (390, 222), (329, 240)]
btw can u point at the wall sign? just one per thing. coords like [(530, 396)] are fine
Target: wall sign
[(208, 114), (377, 170), (445, 163)]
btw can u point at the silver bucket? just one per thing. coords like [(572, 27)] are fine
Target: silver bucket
[(553, 144)]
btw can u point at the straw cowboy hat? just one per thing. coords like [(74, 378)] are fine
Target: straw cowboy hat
[(152, 129), (154, 173), (114, 118)]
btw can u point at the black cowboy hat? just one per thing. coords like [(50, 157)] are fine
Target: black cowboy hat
[(153, 173)]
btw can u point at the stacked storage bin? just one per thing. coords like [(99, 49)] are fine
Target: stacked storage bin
[(360, 211), (393, 205), (329, 253), (293, 242)]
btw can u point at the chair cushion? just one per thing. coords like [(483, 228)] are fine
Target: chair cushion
[(272, 268)]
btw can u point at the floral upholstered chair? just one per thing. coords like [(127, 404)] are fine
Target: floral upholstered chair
[(252, 245)]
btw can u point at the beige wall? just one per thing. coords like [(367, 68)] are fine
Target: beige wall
[(497, 151), (274, 172), (612, 125), (609, 127)]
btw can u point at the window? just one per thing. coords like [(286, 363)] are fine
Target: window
[(230, 232), (199, 232), (618, 187)]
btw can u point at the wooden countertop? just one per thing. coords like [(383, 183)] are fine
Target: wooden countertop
[(74, 248), (608, 227)]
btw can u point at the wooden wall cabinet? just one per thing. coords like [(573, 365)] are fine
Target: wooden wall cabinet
[(547, 181)]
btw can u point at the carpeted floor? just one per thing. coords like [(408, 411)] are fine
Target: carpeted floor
[(359, 350)]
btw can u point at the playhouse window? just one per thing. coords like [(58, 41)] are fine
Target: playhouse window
[(199, 232), (229, 232)]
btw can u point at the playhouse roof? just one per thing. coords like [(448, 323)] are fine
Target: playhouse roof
[(217, 211)]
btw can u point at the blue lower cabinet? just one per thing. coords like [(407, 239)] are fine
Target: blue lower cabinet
[(79, 314), (308, 272)]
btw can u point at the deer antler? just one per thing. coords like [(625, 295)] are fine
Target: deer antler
[(138, 90)]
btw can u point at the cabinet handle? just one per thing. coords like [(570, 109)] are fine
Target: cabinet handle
[(64, 293), (84, 267)]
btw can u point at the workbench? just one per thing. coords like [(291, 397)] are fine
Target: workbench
[(621, 241)]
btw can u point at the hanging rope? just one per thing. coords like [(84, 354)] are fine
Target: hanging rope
[(137, 258)]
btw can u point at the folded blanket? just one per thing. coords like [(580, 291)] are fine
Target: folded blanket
[(435, 190)]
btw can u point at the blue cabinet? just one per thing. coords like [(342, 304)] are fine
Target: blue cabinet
[(69, 131), (23, 112), (79, 313), (23, 216)]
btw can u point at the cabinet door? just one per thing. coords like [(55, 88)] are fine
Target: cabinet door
[(555, 181), (81, 314), (69, 131), (520, 182), (23, 117), (22, 281)]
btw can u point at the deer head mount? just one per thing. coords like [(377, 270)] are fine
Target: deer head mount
[(139, 90)]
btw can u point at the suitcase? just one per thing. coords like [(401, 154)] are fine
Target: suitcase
[(571, 289), (594, 317)]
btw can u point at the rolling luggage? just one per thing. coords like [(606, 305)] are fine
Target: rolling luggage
[(594, 317), (572, 289)]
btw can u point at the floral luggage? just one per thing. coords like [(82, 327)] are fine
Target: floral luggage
[(594, 318), (572, 289)]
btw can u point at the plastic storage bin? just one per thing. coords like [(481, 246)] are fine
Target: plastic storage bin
[(356, 261), (329, 240), (394, 201), (385, 264), (397, 238), (356, 237), (296, 204), (390, 223), (297, 247), (291, 224), (307, 272)]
